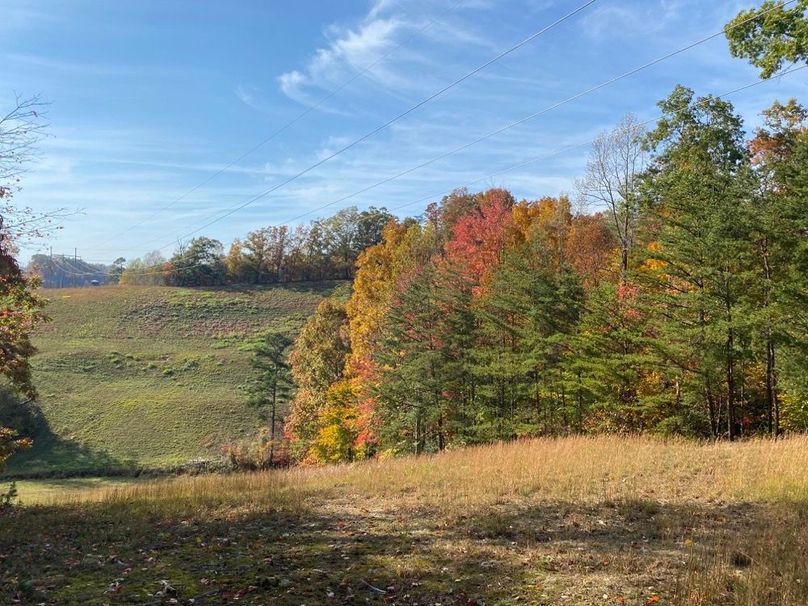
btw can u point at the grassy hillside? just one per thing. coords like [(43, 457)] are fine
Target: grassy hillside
[(577, 521), (150, 377)]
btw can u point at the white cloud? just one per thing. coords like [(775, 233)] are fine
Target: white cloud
[(348, 52), (291, 85), (379, 6), (253, 97)]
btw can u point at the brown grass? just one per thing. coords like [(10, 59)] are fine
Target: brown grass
[(578, 520)]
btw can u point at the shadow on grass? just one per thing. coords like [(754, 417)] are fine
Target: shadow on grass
[(54, 456), (342, 552)]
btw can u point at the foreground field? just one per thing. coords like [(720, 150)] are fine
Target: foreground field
[(150, 377), (568, 521)]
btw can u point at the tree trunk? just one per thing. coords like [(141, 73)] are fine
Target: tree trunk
[(730, 371), (538, 401), (772, 404), (624, 264), (418, 432), (580, 405), (272, 423), (441, 435), (711, 409), (771, 389)]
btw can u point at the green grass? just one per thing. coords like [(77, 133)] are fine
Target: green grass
[(58, 490), (142, 378)]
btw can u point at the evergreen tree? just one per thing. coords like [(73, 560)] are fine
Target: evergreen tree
[(698, 259), (779, 157), (272, 387), (526, 315), (412, 390)]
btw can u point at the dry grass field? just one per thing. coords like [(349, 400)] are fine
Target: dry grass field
[(602, 520)]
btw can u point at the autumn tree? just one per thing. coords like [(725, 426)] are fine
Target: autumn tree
[(317, 362), (260, 257), (21, 308), (477, 239), (336, 428), (590, 248), (379, 269)]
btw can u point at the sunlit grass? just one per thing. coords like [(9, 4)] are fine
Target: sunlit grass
[(133, 378), (571, 468), (696, 523)]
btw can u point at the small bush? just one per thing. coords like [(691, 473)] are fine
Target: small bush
[(8, 497), (190, 364), (259, 454)]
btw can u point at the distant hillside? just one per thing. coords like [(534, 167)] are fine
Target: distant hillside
[(62, 271), (150, 377)]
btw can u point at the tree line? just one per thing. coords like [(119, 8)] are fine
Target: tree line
[(325, 249), (677, 307)]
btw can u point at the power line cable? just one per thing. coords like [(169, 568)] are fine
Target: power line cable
[(330, 95), (389, 122), (530, 160), (480, 139), (586, 143)]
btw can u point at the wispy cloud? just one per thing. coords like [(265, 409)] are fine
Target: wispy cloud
[(85, 68), (621, 19), (380, 6), (349, 51), (252, 97)]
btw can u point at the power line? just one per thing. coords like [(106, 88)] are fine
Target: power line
[(330, 95), (72, 272), (528, 161), (482, 138), (389, 122), (586, 143)]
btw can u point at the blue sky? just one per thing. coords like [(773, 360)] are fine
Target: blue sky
[(150, 98)]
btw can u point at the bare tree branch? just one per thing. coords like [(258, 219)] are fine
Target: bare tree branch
[(615, 162)]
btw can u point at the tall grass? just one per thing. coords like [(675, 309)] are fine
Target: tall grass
[(737, 512), (570, 468)]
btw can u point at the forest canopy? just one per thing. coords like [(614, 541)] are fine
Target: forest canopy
[(675, 306)]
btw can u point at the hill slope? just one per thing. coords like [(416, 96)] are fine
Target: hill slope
[(150, 377)]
